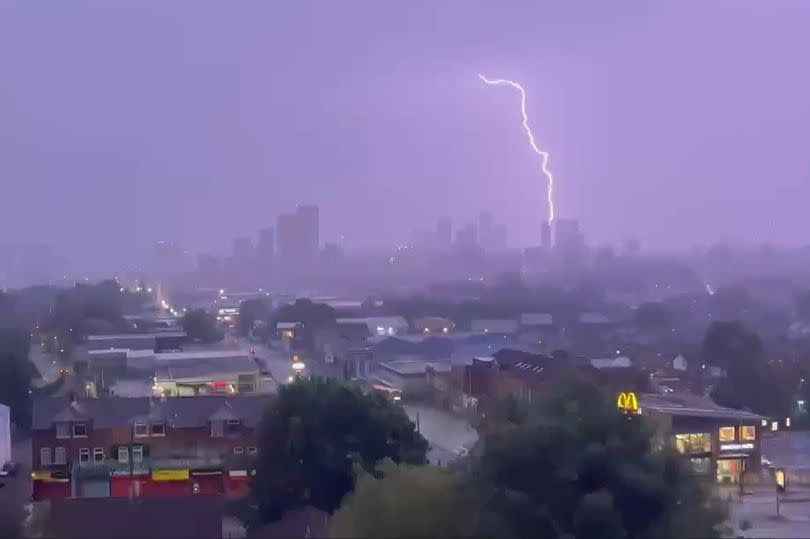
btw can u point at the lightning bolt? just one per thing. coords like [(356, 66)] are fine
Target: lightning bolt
[(543, 155)]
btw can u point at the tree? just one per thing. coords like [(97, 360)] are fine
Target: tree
[(312, 435), (250, 311), (579, 468), (15, 375), (407, 501), (201, 326), (652, 315), (750, 381)]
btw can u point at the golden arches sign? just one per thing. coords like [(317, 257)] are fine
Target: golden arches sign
[(627, 402)]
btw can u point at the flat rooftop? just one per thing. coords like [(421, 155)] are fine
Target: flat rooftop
[(678, 405), (120, 336)]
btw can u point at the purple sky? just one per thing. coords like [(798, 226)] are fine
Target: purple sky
[(673, 122)]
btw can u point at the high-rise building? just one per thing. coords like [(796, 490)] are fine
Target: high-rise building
[(486, 230), (242, 250), (467, 237), (444, 233), (545, 235), (309, 221), (298, 234), (568, 237), (265, 248)]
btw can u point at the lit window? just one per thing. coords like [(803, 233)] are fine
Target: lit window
[(701, 466), (141, 429), (137, 454), (238, 450), (251, 450), (748, 433), (62, 430), (726, 434), (84, 455), (158, 429), (693, 443), (98, 454), (123, 454), (79, 430), (59, 455), (45, 456)]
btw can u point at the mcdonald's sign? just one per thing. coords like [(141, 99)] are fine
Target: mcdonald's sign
[(628, 403)]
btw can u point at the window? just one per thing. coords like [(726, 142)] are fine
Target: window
[(251, 450), (79, 430), (217, 429), (63, 430), (84, 455), (137, 454), (158, 429), (701, 466), (123, 454), (45, 456), (693, 443), (98, 454), (726, 434), (238, 450), (59, 456), (232, 426), (748, 433), (141, 429)]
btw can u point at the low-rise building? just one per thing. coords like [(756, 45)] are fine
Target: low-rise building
[(143, 446), (500, 326), (156, 341)]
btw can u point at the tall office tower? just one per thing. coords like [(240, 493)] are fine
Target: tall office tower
[(265, 248), (444, 233), (242, 250), (467, 237), (498, 238), (309, 223), (545, 235), (486, 230), (568, 238), (287, 236)]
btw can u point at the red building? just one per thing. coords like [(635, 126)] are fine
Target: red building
[(143, 447)]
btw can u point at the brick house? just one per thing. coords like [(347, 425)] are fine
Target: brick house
[(143, 446)]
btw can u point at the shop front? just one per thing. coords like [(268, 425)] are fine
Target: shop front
[(50, 485)]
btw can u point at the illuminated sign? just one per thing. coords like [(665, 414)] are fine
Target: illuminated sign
[(735, 447), (169, 475), (628, 403)]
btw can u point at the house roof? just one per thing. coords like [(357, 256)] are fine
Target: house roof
[(593, 318), (118, 412), (198, 517), (119, 336)]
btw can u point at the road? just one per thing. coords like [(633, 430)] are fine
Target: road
[(446, 433), (275, 360)]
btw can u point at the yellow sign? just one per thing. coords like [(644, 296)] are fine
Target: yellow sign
[(628, 403), (169, 475), (40, 476)]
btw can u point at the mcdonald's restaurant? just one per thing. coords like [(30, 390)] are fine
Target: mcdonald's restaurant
[(721, 444)]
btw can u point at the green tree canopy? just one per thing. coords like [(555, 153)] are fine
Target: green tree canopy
[(15, 375), (201, 326), (580, 468), (407, 501), (314, 432), (250, 311)]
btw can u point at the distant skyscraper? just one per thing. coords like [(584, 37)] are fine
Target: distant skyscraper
[(486, 230), (265, 248), (444, 233), (467, 237), (545, 235), (242, 250), (309, 221), (568, 238), (498, 238), (298, 234)]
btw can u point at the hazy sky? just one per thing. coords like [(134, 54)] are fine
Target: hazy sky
[(675, 122)]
